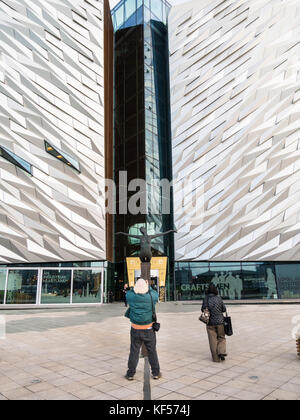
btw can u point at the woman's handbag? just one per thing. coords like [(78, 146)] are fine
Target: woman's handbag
[(155, 325), (204, 317), (228, 325)]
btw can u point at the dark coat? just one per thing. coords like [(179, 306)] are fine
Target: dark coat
[(140, 307), (216, 308)]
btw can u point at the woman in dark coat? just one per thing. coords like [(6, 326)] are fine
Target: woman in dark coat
[(215, 326), (125, 290)]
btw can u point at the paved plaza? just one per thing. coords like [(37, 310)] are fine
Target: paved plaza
[(81, 353)]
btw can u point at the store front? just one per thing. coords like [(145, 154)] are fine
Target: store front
[(238, 281), (52, 285)]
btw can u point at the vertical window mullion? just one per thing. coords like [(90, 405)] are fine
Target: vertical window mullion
[(39, 287), (5, 288), (103, 278), (71, 288)]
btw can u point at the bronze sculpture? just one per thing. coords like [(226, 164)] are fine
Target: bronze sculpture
[(145, 242)]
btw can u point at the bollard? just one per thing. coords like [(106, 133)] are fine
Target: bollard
[(298, 345)]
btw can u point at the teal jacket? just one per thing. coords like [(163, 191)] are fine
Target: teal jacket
[(140, 307)]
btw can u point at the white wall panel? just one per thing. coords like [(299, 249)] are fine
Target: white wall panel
[(52, 88), (235, 82)]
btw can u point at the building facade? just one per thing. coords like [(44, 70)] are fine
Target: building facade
[(234, 71), (55, 140), (204, 94)]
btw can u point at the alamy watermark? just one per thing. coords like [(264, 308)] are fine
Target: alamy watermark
[(139, 196)]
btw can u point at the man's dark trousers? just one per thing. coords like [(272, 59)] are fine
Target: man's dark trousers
[(138, 337)]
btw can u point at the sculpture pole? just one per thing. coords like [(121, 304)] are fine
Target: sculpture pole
[(145, 253)]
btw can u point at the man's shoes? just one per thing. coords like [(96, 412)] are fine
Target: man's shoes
[(129, 378), (157, 376), (222, 357)]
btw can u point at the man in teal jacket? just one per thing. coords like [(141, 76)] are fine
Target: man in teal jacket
[(140, 315)]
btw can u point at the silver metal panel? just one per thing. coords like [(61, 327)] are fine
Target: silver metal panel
[(52, 88), (235, 83)]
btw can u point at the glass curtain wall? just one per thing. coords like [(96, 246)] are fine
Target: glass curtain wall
[(142, 123), (288, 280), (129, 129), (86, 286), (56, 286), (21, 286), (236, 281)]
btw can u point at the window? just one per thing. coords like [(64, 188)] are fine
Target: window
[(16, 160), (21, 286), (191, 283), (119, 16), (87, 286), (227, 279), (288, 280), (56, 286), (234, 281), (130, 8), (156, 9), (62, 156), (259, 281)]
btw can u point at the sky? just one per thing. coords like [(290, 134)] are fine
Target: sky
[(172, 2)]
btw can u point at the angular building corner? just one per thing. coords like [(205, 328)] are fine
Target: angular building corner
[(235, 125), (52, 123)]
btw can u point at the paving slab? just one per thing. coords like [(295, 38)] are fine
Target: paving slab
[(82, 353)]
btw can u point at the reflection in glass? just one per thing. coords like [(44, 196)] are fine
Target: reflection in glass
[(142, 122), (56, 286), (156, 9), (215, 266), (191, 284), (2, 285), (21, 286), (119, 16), (62, 156), (130, 8), (182, 278), (236, 281), (16, 160), (86, 286), (258, 282), (288, 280), (227, 280)]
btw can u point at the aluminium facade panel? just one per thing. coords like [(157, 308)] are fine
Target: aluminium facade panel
[(235, 104), (52, 89)]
